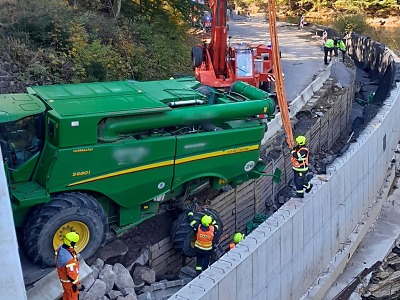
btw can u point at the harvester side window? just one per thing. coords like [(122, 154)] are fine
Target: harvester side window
[(20, 139), (244, 63)]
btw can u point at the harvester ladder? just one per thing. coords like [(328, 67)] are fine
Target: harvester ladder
[(279, 85)]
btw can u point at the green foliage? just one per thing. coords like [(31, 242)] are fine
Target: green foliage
[(353, 22), (83, 40)]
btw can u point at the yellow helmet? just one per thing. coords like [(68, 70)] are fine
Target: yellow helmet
[(206, 220), (301, 140), (238, 237), (71, 237)]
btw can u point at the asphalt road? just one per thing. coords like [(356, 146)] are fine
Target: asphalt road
[(302, 57)]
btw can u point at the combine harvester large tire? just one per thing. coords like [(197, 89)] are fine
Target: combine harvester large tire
[(183, 235), (49, 222)]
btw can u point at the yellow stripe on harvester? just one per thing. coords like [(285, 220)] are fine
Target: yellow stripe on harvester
[(123, 172), (217, 153), (171, 162)]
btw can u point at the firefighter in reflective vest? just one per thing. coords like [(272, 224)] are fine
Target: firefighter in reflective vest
[(237, 238), (300, 167), (205, 234), (329, 46), (67, 265), (342, 48)]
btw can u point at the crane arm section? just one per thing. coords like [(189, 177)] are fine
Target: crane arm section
[(279, 84), (218, 44)]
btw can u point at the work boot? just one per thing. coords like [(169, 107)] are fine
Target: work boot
[(309, 189)]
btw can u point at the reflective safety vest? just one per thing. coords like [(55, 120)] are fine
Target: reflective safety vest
[(329, 43), (300, 163), (67, 265), (204, 239), (342, 46)]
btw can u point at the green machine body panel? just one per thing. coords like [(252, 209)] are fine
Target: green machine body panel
[(132, 144)]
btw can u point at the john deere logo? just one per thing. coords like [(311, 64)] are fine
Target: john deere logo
[(249, 166)]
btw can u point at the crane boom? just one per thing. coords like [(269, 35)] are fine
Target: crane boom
[(279, 85)]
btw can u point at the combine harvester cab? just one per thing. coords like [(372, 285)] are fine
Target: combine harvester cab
[(82, 157)]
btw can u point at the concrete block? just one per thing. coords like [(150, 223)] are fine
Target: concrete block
[(298, 232), (307, 94), (308, 260), (260, 267), (347, 185), (212, 294), (298, 270), (335, 242), (274, 252), (327, 243), (308, 223), (227, 287), (325, 199), (317, 84), (286, 242), (274, 288), (262, 295), (318, 218), (286, 282), (318, 253), (342, 220), (245, 280)]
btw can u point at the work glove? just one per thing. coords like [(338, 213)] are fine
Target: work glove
[(74, 288), (81, 288)]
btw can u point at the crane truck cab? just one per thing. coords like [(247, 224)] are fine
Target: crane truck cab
[(93, 156)]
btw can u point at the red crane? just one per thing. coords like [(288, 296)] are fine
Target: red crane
[(219, 63)]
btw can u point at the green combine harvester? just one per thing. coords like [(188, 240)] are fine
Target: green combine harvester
[(84, 157)]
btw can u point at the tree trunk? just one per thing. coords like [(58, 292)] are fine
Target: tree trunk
[(117, 7)]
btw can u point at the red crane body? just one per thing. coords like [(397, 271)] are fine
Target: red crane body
[(218, 64)]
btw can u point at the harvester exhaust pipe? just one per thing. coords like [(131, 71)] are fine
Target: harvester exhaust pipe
[(185, 102)]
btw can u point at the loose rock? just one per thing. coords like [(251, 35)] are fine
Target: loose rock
[(123, 278), (127, 297), (114, 294), (145, 273), (97, 291), (108, 276), (99, 264), (88, 283), (113, 249)]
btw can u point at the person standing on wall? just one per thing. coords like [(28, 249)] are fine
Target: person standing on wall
[(342, 48), (67, 266), (300, 155), (205, 240), (301, 21), (328, 48), (324, 38)]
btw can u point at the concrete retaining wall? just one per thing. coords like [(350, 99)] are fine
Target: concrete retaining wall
[(11, 279), (286, 254), (304, 238)]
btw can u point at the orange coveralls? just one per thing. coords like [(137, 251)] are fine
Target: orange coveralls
[(67, 265)]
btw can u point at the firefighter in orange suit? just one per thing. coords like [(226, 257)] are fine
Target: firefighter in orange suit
[(300, 155), (67, 265), (205, 233)]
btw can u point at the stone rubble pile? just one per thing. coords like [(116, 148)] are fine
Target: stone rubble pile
[(385, 281), (137, 282)]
